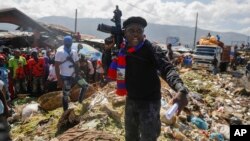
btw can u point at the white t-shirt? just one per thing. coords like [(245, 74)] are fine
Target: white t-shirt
[(52, 73), (91, 68), (61, 56), (99, 68)]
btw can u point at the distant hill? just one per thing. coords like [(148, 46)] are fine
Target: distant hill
[(154, 32)]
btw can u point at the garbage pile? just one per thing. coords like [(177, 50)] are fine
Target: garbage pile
[(215, 102)]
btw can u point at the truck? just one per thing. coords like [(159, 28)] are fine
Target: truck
[(204, 54)]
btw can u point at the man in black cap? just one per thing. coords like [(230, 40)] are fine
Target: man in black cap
[(142, 85)]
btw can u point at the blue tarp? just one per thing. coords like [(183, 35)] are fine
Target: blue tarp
[(88, 51)]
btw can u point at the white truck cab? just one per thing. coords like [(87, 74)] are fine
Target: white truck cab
[(204, 55)]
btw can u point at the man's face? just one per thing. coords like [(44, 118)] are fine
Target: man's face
[(108, 46), (68, 45), (17, 53), (134, 34)]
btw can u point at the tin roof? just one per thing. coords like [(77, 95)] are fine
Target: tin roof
[(14, 16)]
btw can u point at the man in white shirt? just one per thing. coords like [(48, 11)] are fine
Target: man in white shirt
[(67, 68)]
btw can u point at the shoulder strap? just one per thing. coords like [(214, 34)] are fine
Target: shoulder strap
[(68, 58), (137, 57)]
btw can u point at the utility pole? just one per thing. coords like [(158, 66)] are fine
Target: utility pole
[(195, 31), (76, 21)]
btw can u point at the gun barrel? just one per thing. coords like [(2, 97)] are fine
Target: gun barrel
[(104, 28)]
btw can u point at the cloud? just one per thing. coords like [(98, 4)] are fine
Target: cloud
[(245, 21), (216, 15), (245, 30)]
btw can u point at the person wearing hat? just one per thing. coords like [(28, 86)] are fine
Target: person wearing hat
[(136, 72), (67, 70)]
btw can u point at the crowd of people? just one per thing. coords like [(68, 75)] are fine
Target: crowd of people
[(136, 70), (34, 72)]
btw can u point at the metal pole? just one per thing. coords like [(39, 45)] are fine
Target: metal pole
[(76, 21), (195, 32), (248, 46)]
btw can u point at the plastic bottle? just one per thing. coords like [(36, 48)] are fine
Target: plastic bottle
[(171, 111), (200, 123), (216, 136)]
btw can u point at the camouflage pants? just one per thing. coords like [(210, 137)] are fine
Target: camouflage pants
[(142, 120), (68, 83)]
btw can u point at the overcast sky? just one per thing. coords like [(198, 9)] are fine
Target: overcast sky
[(216, 15)]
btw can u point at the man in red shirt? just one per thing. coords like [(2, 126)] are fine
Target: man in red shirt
[(36, 67)]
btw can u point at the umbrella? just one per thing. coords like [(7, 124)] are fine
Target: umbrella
[(88, 51)]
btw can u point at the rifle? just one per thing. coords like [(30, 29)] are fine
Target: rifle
[(116, 30)]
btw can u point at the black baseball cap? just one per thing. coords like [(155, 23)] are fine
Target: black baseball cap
[(135, 20)]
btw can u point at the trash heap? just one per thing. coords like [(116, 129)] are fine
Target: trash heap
[(215, 102), (210, 41)]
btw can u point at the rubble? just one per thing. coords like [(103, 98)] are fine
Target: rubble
[(29, 109), (75, 134), (68, 120), (216, 101), (51, 101)]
